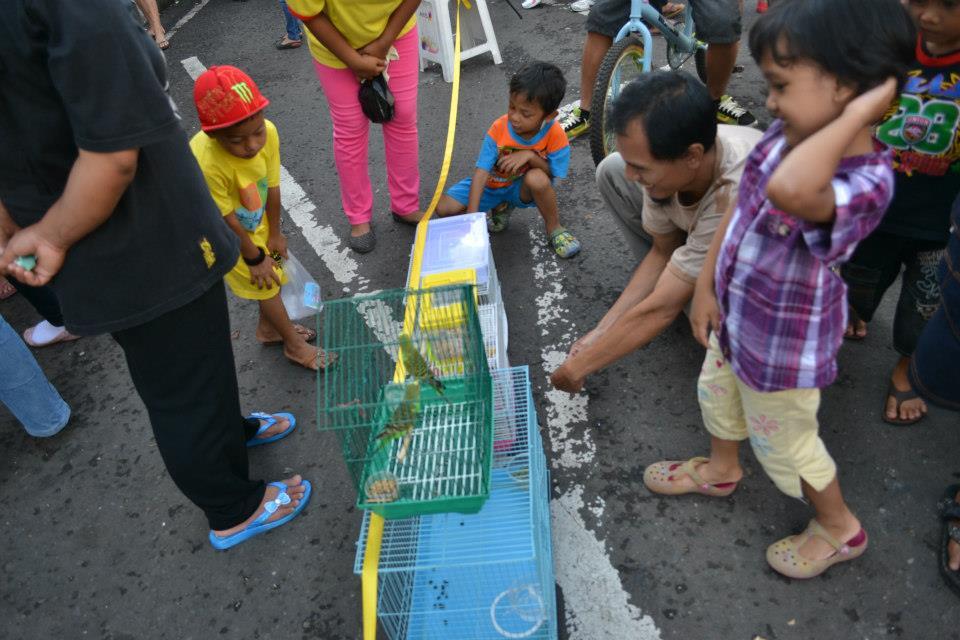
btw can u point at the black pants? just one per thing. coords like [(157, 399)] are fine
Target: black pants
[(875, 266), (182, 366), (43, 299)]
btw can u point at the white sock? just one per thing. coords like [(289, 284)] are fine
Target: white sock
[(44, 333)]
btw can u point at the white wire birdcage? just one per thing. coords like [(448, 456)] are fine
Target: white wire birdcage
[(482, 576), (493, 327)]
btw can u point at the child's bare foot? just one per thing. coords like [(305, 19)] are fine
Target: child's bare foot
[(856, 328), (313, 358), (903, 406), (295, 490), (268, 336)]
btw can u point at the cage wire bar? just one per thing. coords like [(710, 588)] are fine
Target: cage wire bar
[(482, 576), (444, 464)]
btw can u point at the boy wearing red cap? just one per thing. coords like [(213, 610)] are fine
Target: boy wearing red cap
[(238, 151)]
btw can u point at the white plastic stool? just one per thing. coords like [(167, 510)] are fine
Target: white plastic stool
[(437, 38)]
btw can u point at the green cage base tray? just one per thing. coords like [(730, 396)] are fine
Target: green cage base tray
[(444, 470)]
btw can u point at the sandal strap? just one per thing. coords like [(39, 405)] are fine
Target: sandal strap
[(689, 468), (260, 415), (269, 508), (954, 532), (950, 511), (816, 529)]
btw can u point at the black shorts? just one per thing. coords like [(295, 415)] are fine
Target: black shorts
[(716, 21)]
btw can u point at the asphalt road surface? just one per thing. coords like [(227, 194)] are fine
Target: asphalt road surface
[(96, 542)]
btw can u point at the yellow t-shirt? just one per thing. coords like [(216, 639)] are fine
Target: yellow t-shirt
[(239, 186), (360, 22)]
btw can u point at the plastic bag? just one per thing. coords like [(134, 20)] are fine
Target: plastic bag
[(376, 99), (301, 294)]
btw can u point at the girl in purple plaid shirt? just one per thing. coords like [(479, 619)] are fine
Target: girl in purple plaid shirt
[(813, 187)]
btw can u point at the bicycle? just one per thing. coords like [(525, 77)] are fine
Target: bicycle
[(631, 55)]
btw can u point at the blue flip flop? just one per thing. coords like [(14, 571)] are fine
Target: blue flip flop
[(260, 525), (259, 415)]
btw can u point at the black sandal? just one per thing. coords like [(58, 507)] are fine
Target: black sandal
[(900, 397), (949, 510)]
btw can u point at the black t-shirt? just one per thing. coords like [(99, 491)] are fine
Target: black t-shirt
[(84, 74), (924, 133)]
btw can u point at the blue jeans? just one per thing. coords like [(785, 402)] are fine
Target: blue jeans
[(935, 366), (25, 390), (293, 25)]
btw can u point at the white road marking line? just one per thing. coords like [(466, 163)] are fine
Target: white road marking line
[(193, 67), (300, 209), (596, 604), (185, 19)]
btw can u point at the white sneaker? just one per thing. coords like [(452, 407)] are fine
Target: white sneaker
[(530, 4), (581, 5)]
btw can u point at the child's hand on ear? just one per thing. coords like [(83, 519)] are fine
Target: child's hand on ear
[(870, 106)]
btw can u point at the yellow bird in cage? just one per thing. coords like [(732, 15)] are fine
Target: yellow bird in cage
[(417, 367), (402, 421)]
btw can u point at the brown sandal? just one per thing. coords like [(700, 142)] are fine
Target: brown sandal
[(658, 477), (307, 333), (321, 360)]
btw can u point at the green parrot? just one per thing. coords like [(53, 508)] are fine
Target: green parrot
[(417, 367), (402, 421)]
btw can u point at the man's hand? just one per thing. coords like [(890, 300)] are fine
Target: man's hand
[(704, 314), (277, 244), (31, 241), (584, 341), (870, 106), (263, 275), (563, 380), (512, 163)]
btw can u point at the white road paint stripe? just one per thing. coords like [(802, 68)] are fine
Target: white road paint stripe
[(186, 18), (301, 210), (321, 237), (193, 66), (596, 604)]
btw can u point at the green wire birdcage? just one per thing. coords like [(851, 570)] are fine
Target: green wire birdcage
[(410, 399)]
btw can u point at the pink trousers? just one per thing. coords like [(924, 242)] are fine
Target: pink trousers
[(351, 131)]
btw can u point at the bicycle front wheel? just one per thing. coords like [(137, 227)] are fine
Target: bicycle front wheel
[(623, 63)]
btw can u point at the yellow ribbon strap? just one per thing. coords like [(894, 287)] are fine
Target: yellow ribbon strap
[(371, 557)]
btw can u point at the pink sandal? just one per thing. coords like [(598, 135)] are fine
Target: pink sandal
[(659, 478), (784, 555)]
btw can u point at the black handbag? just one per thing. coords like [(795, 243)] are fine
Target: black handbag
[(376, 99)]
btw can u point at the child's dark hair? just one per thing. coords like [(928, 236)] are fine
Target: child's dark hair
[(542, 83), (676, 111), (861, 42)]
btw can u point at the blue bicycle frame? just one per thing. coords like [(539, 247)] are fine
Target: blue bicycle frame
[(641, 10)]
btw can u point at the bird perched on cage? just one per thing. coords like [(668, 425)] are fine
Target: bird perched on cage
[(417, 367), (402, 420)]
